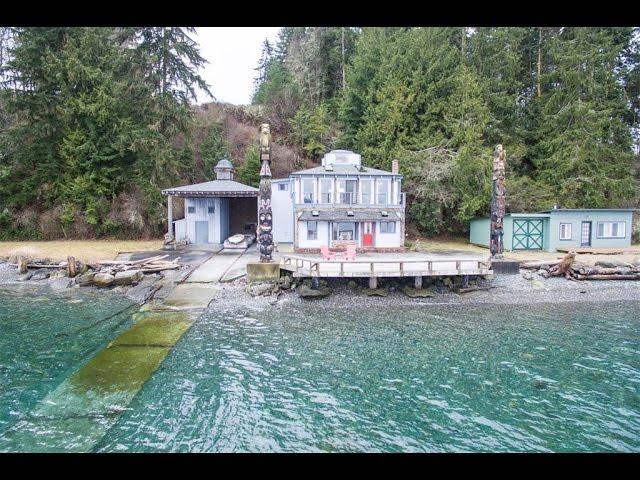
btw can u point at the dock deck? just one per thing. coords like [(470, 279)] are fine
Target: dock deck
[(388, 265)]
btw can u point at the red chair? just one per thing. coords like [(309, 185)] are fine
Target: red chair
[(326, 254), (350, 253)]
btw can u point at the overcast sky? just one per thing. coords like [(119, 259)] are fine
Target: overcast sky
[(233, 53)]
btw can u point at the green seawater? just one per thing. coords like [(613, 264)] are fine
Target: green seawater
[(541, 377)]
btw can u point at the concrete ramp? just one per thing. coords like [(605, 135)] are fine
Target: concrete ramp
[(214, 269)]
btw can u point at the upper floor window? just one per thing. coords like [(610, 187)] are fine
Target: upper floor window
[(611, 229), (326, 190), (191, 209), (365, 188), (383, 191), (283, 186), (347, 191), (307, 190)]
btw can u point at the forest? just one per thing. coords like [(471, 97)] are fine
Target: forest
[(95, 121)]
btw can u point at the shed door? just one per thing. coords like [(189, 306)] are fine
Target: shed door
[(202, 232), (527, 234)]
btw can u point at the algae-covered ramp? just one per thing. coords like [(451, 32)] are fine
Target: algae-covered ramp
[(77, 414)]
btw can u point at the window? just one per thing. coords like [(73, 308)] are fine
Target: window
[(365, 186), (312, 230), (344, 231), (326, 187), (307, 190), (387, 227), (565, 231), (191, 209), (383, 191), (283, 186), (611, 230), (347, 191), (211, 209)]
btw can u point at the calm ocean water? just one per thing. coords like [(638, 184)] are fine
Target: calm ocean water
[(432, 378)]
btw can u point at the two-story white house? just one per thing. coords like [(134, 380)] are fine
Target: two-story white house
[(339, 201)]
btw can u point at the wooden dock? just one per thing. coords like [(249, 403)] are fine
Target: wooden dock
[(373, 266)]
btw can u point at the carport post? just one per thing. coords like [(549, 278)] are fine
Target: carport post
[(170, 215)]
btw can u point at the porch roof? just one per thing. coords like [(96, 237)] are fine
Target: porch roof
[(214, 188), (358, 216)]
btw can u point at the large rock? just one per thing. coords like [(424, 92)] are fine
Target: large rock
[(419, 292), (26, 276), (285, 282), (375, 292), (41, 274), (306, 291), (60, 283), (103, 279), (265, 288), (128, 277), (85, 279)]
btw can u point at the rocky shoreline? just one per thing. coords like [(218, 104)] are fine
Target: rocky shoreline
[(502, 289)]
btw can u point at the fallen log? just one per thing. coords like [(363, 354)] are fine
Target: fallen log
[(540, 264), (159, 269), (474, 289), (563, 268), (630, 276)]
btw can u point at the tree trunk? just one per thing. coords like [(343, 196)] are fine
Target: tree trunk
[(539, 65), (344, 80)]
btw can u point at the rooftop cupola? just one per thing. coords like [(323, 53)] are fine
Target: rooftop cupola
[(341, 157), (224, 170)]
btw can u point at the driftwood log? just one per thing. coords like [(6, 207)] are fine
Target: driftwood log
[(573, 270)]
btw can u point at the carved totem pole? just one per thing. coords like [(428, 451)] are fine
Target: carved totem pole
[(265, 223), (497, 204)]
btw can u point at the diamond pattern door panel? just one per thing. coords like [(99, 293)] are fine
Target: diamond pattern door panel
[(527, 234)]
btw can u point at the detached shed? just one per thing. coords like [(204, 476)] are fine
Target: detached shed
[(214, 210), (560, 228)]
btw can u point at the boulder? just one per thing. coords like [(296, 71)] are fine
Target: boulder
[(60, 283), (285, 282), (537, 285), (58, 274), (527, 275), (257, 289), (352, 284), (128, 277), (26, 276), (85, 279), (103, 279), (419, 292), (375, 292), (41, 274), (309, 293), (446, 281)]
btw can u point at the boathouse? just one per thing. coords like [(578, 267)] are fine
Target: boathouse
[(560, 229), (213, 210)]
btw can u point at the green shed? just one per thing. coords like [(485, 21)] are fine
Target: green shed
[(559, 228)]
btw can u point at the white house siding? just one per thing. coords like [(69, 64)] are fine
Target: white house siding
[(323, 235), (387, 239), (201, 214), (282, 208)]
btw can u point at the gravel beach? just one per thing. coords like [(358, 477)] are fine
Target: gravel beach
[(507, 290)]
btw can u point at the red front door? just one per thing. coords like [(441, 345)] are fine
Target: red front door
[(367, 236)]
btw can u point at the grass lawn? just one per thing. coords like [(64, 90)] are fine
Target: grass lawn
[(84, 250)]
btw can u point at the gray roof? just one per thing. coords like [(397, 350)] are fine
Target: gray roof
[(358, 215), (219, 188), (344, 170)]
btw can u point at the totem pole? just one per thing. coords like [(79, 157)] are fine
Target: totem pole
[(497, 204), (265, 224)]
